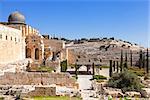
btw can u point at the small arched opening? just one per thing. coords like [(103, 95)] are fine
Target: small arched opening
[(28, 53), (36, 54)]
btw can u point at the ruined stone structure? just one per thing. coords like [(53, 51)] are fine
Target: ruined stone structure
[(11, 45), (41, 91), (35, 48), (37, 78), (54, 52), (53, 47)]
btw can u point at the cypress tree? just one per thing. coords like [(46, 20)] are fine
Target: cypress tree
[(126, 61), (140, 59), (131, 58), (114, 65), (117, 66), (93, 66), (147, 62), (121, 61), (110, 69), (143, 60)]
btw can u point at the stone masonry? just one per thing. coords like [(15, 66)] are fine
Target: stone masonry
[(37, 78)]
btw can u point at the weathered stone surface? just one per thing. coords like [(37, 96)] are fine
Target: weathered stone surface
[(113, 92), (36, 78), (11, 45), (133, 94), (42, 91), (146, 92)]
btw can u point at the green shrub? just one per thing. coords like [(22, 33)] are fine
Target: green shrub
[(1, 98), (103, 66), (126, 81), (99, 77), (45, 69), (75, 77), (63, 65), (137, 71)]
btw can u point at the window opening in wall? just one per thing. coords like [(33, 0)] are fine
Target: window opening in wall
[(37, 54), (6, 37), (28, 52)]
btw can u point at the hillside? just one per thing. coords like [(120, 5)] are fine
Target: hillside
[(100, 51)]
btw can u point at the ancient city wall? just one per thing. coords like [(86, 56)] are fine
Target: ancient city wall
[(11, 45), (37, 78)]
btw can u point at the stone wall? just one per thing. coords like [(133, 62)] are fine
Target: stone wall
[(54, 45), (53, 64), (12, 45), (26, 29), (35, 48), (37, 78), (71, 56), (41, 91)]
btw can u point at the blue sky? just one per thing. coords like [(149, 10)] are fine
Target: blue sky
[(73, 19)]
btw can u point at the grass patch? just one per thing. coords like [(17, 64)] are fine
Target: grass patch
[(1, 98), (99, 77), (45, 69), (56, 98), (137, 71), (99, 81), (75, 77)]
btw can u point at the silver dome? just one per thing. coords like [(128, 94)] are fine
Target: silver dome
[(16, 17)]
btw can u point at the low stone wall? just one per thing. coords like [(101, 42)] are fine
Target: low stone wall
[(41, 91), (37, 78)]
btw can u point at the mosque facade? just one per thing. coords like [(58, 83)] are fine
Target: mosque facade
[(23, 41)]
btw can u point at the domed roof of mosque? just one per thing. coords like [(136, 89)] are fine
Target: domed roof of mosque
[(16, 17)]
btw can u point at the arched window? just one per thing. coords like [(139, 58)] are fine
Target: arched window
[(28, 53), (36, 53)]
